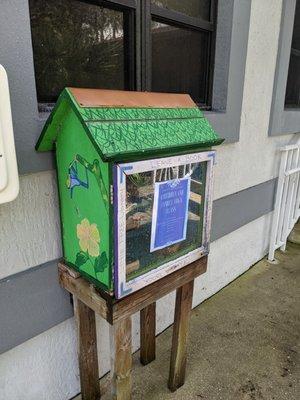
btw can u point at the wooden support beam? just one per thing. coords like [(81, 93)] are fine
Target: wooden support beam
[(68, 270), (82, 289), (147, 333), (184, 297), (144, 297), (113, 309), (121, 359), (87, 351)]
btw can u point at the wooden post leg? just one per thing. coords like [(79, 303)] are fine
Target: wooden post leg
[(147, 333), (184, 297), (121, 359), (87, 351)]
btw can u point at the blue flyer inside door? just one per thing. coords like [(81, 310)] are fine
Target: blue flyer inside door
[(170, 212)]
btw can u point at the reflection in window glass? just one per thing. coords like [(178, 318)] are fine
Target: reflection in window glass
[(176, 66), (139, 207), (292, 96), (76, 44), (193, 8)]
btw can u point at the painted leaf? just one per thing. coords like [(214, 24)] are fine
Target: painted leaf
[(101, 262), (81, 258)]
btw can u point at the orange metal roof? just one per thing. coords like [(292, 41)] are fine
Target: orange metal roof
[(121, 98)]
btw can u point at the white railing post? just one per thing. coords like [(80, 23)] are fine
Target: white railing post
[(287, 202)]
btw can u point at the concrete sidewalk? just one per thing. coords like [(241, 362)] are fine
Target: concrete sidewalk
[(244, 341)]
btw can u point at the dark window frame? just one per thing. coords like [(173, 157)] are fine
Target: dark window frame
[(138, 15), (296, 53)]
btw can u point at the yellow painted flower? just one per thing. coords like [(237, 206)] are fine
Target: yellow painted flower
[(89, 237)]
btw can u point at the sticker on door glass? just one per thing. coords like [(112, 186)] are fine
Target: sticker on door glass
[(170, 212)]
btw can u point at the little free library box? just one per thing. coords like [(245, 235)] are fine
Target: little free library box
[(135, 184)]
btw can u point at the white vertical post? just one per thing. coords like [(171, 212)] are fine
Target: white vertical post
[(287, 202), (277, 207)]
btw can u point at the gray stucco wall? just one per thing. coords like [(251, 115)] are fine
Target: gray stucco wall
[(16, 56)]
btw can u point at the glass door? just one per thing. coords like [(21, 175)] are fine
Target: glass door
[(162, 216)]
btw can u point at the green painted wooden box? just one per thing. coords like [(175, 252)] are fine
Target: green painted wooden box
[(135, 183)]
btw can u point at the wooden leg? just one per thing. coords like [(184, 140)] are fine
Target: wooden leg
[(184, 297), (121, 359), (87, 351), (147, 333)]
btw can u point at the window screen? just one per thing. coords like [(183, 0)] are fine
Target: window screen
[(177, 67)]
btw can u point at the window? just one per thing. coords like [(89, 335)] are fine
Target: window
[(292, 96), (128, 44), (182, 34), (285, 111), (78, 44)]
